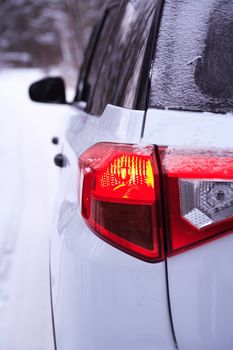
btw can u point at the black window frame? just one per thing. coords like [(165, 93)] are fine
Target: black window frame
[(143, 93), (143, 88), (83, 88)]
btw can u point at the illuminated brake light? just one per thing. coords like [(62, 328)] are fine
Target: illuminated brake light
[(126, 177), (121, 197), (199, 196)]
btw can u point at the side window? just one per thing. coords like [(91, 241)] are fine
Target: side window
[(82, 88), (101, 37), (121, 67)]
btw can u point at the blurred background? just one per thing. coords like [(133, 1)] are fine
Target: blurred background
[(37, 39), (46, 33)]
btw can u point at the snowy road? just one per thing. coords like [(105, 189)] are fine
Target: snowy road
[(28, 184)]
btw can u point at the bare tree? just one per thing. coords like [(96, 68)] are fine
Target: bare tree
[(46, 33)]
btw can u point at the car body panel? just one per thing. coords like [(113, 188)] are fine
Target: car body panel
[(102, 297), (201, 290), (200, 279), (189, 129)]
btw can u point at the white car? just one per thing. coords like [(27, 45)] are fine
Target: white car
[(142, 253)]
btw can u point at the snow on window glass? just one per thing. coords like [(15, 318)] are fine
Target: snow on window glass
[(193, 64)]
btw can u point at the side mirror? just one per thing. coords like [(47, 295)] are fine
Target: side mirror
[(48, 90)]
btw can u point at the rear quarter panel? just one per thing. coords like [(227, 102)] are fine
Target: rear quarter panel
[(201, 279), (103, 298)]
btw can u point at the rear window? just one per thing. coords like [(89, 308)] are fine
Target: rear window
[(193, 63)]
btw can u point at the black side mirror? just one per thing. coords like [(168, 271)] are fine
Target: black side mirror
[(48, 90)]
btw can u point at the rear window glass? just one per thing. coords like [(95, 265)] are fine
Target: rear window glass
[(193, 63)]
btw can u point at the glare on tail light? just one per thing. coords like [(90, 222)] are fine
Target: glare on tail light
[(199, 196), (121, 197)]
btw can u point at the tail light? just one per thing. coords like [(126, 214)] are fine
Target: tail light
[(199, 196), (121, 197)]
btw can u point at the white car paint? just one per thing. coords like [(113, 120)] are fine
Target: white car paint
[(106, 299), (189, 129), (103, 298), (201, 279), (201, 289)]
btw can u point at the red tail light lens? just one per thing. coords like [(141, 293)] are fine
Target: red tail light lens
[(199, 195), (121, 197)]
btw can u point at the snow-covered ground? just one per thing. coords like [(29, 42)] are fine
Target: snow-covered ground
[(28, 185)]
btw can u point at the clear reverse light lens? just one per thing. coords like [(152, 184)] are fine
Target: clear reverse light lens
[(206, 202)]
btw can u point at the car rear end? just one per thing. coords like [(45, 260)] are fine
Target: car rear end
[(142, 256)]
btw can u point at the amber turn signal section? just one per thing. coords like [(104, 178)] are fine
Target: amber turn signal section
[(126, 177)]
